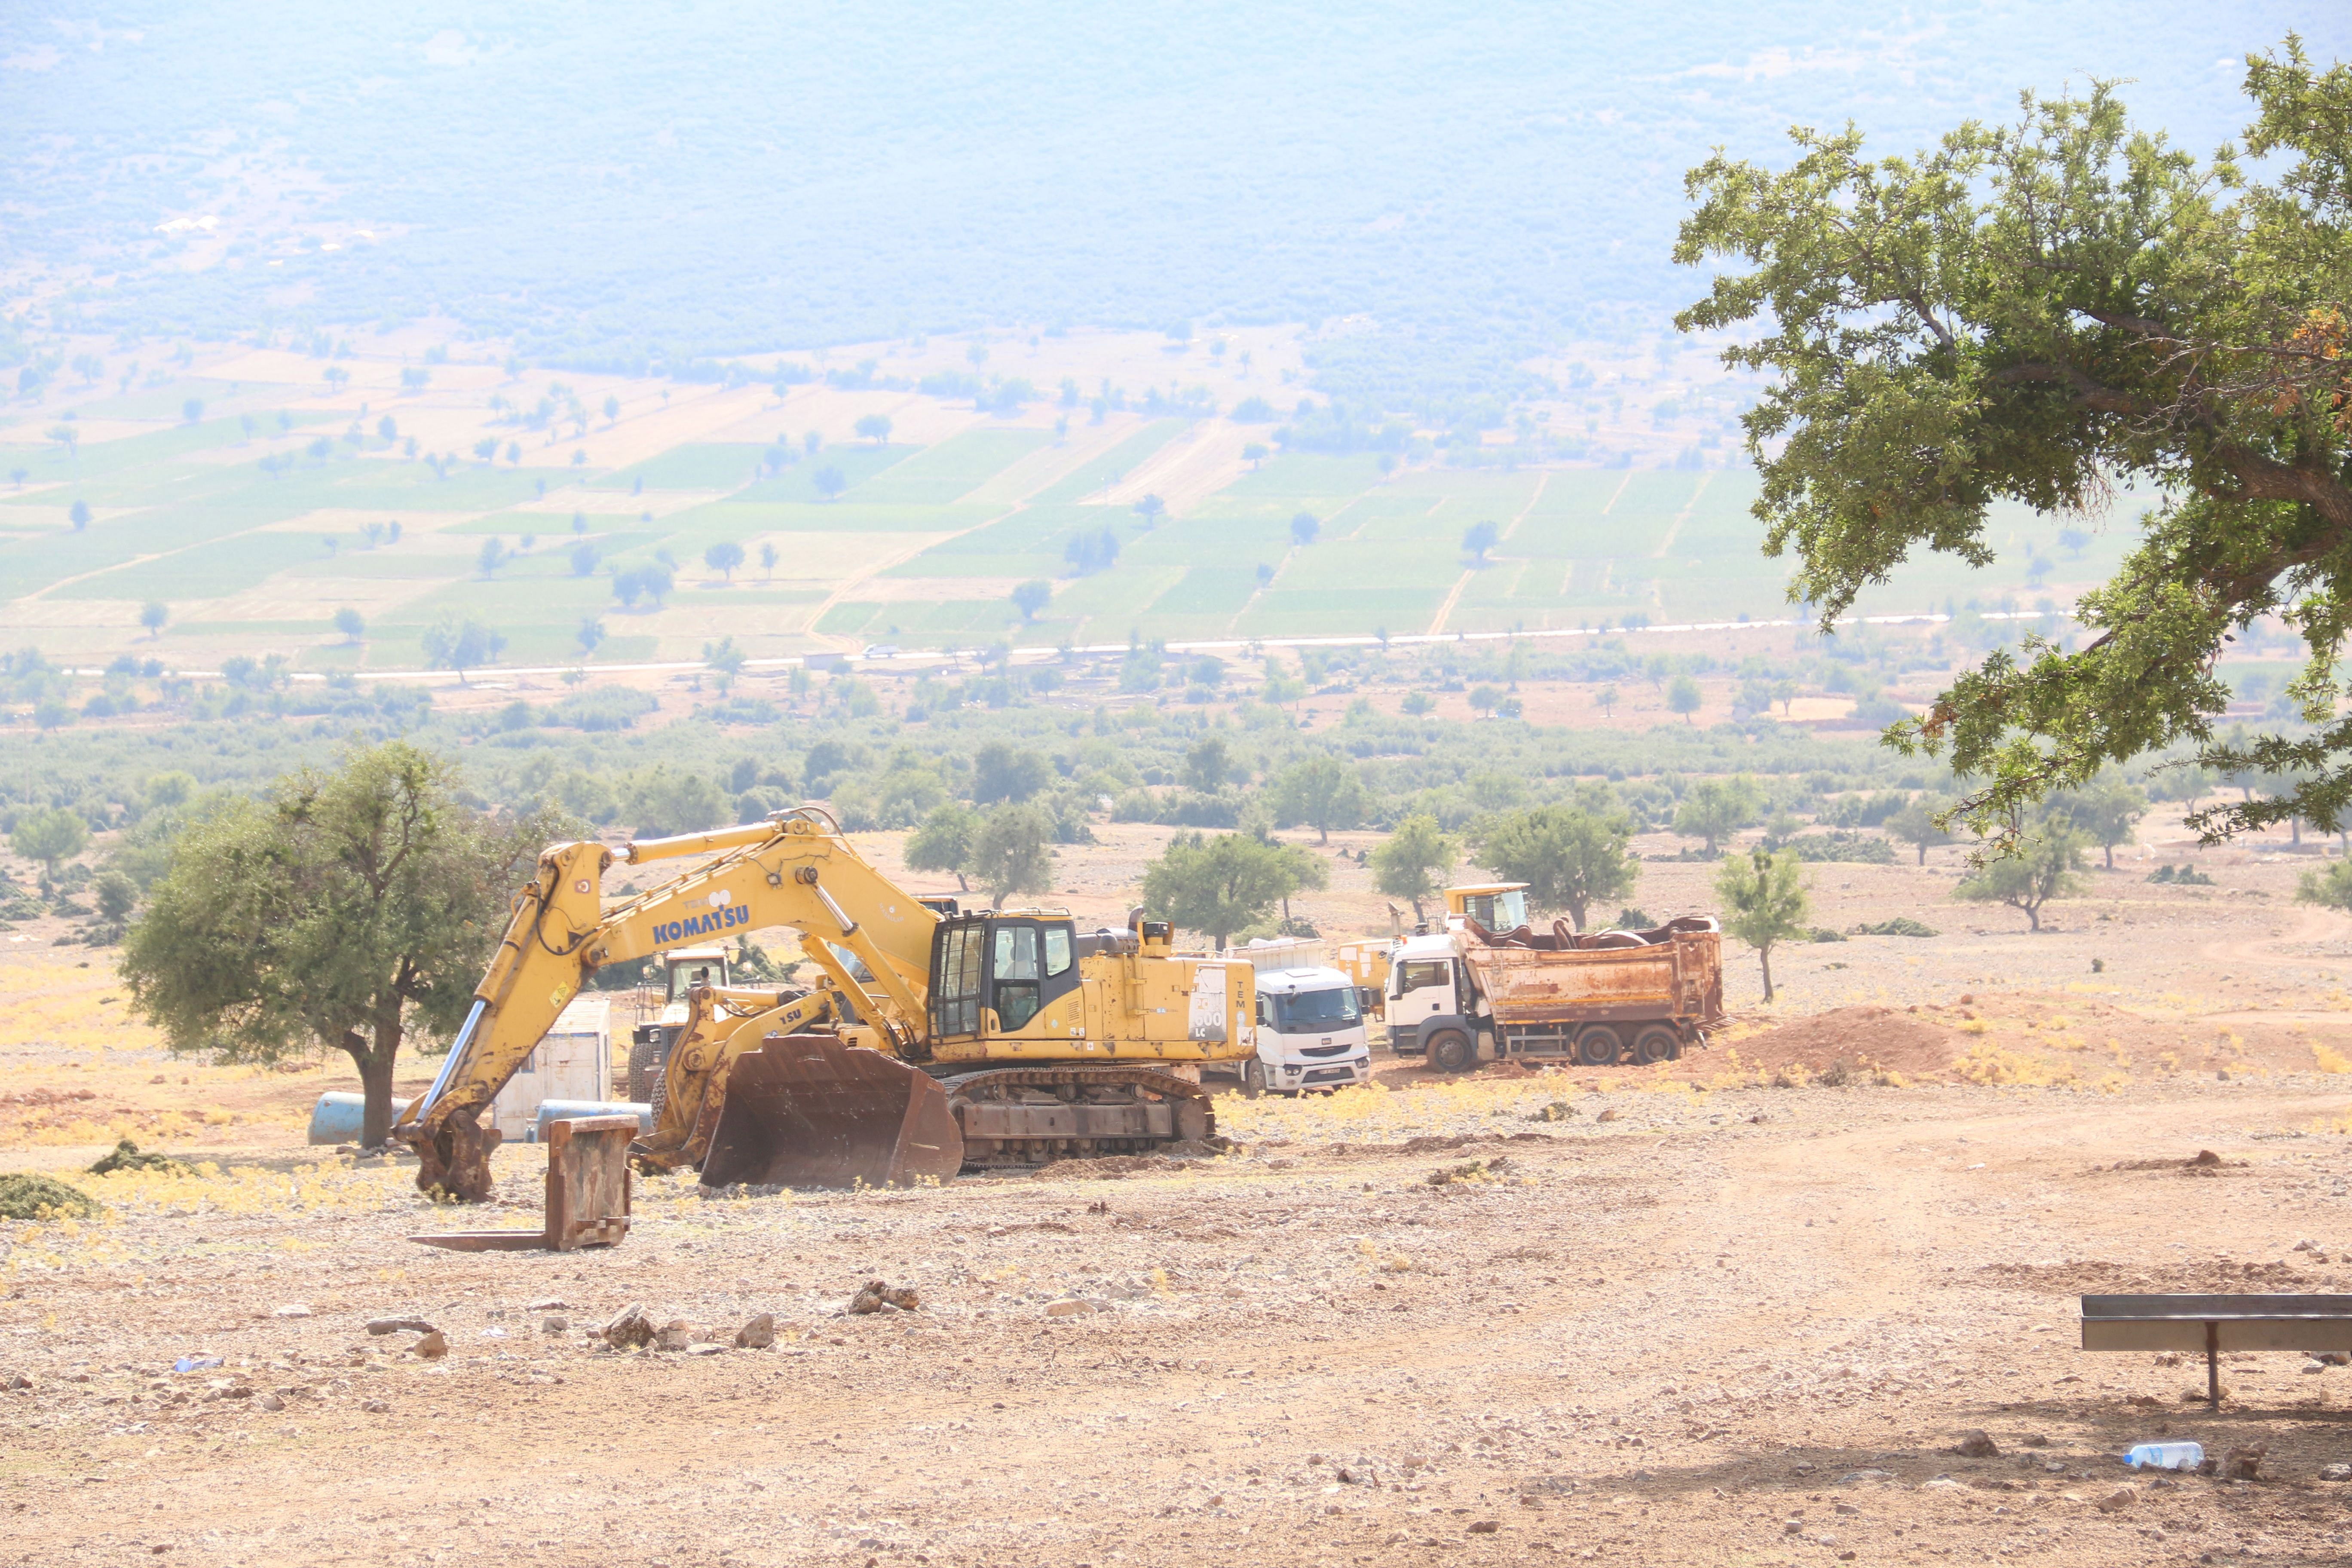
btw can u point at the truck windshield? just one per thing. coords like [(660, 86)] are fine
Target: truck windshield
[(1313, 1012)]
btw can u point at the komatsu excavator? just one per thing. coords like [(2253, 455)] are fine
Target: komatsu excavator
[(931, 1042)]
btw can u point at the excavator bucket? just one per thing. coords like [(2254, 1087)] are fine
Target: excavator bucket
[(805, 1110)]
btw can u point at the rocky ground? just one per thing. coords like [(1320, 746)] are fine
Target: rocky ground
[(1743, 1309), (1740, 1325)]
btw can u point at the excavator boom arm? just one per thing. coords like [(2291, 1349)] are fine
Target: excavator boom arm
[(797, 871)]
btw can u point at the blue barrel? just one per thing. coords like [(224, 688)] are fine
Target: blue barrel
[(565, 1110), (338, 1118)]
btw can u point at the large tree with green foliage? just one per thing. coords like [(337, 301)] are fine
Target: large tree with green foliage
[(348, 910), (943, 843), (1011, 852), (1223, 885), (1569, 857), (2040, 864), (1323, 792), (1413, 859), (1765, 902), (2040, 313), (51, 837)]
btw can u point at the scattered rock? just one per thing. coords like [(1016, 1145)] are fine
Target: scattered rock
[(1610, 1114), (291, 1310), (554, 1325), (269, 1401), (2115, 1501), (1484, 1526), (706, 1349), (1074, 1307), (2206, 1157), (2035, 1440), (432, 1346), (381, 1326), (874, 1296), (1558, 1110), (2167, 1358), (552, 1304), (2336, 1472), (2244, 1462), (1847, 1508), (375, 1407), (1975, 1444), (17, 1383), (673, 1335), (758, 1334), (631, 1329)]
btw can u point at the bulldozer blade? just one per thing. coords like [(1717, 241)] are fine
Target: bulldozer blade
[(805, 1110)]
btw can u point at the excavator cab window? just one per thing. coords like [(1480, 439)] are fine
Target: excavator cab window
[(1015, 974)]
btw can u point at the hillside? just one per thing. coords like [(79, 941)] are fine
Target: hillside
[(636, 190), (253, 494)]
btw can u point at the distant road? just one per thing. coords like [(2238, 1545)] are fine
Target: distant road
[(1049, 654)]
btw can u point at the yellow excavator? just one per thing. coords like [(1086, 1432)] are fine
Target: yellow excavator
[(932, 1042)]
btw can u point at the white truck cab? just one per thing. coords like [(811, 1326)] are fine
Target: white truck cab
[(1311, 1033)]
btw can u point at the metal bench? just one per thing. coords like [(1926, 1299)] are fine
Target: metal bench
[(2216, 1323)]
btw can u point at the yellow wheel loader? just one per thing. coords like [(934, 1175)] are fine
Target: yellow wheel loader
[(933, 1042)]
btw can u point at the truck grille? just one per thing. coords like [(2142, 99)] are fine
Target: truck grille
[(1325, 1050)]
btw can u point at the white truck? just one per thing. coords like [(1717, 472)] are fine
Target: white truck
[(1310, 1023)]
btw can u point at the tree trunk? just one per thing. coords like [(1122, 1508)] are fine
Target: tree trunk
[(1764, 957), (1417, 916), (962, 886), (1923, 852), (2033, 916), (2111, 857), (1322, 836), (375, 1065)]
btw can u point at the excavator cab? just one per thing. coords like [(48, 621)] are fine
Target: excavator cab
[(995, 973)]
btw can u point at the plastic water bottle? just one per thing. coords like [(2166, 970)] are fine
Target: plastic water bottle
[(2166, 1457)]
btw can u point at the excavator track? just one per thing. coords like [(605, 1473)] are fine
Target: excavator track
[(1031, 1115)]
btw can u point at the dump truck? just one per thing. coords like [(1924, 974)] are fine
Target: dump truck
[(1490, 986), (931, 1043)]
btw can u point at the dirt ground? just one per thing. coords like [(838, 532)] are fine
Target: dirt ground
[(1737, 1310)]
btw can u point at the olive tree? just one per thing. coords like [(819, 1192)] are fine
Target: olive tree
[(2042, 313), (1765, 902), (1223, 885), (1412, 860), (349, 910), (1570, 857)]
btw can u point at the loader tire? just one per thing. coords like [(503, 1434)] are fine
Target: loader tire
[(1252, 1080), (641, 1071), (1656, 1043), (1451, 1050), (659, 1093)]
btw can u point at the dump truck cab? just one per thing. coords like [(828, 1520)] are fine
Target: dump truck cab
[(1311, 1033)]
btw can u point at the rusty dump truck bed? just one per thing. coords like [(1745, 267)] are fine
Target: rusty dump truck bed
[(1672, 973)]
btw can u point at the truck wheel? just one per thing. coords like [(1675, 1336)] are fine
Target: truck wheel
[(1600, 1046), (1453, 1051), (641, 1071), (1252, 1080), (1653, 1045)]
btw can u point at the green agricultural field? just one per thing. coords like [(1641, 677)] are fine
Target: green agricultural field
[(242, 524)]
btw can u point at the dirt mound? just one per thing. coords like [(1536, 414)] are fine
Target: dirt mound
[(1861, 1037)]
